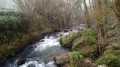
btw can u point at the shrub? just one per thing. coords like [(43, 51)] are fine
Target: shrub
[(9, 23), (109, 59), (75, 58), (10, 27), (87, 37), (80, 33), (90, 36), (90, 39), (10, 13), (89, 32)]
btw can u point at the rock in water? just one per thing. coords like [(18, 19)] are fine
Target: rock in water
[(21, 61), (67, 40), (62, 60), (42, 41), (71, 30), (31, 65), (65, 31)]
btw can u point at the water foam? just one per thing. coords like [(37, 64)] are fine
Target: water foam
[(36, 64)]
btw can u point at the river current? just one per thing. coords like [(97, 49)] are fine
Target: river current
[(40, 54)]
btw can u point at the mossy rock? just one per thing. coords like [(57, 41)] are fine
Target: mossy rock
[(78, 43), (87, 62), (88, 38), (89, 51), (109, 58), (67, 40), (62, 60), (114, 46)]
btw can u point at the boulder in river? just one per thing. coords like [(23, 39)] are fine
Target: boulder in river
[(71, 30), (42, 40), (31, 65), (66, 31), (62, 60), (78, 43), (21, 61), (67, 40)]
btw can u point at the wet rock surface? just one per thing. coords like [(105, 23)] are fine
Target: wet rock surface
[(65, 30), (31, 65), (66, 40), (21, 61), (62, 60)]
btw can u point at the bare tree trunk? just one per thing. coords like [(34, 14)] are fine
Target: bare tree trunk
[(87, 17), (117, 10), (101, 25)]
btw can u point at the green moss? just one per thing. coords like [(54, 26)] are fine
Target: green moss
[(109, 58), (89, 51), (75, 58), (88, 37), (68, 39), (72, 39), (78, 43)]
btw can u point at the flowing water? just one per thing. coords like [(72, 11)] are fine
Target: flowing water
[(40, 53)]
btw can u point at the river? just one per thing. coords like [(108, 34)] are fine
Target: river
[(40, 54)]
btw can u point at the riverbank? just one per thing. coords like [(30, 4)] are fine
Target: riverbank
[(40, 53), (15, 34), (8, 51), (87, 51)]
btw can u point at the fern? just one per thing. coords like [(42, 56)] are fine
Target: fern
[(75, 58), (90, 36)]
